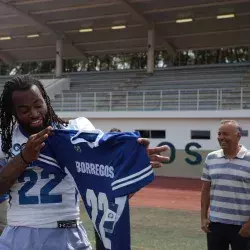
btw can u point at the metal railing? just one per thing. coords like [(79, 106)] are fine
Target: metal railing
[(173, 99)]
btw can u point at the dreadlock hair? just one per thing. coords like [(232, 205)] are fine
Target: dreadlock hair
[(7, 119)]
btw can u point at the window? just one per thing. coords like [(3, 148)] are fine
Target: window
[(200, 134), (158, 134), (144, 133), (154, 134), (244, 133)]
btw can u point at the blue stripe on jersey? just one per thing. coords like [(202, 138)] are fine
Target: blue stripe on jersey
[(127, 183), (49, 161), (132, 176)]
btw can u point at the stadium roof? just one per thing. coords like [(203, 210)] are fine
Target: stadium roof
[(29, 28)]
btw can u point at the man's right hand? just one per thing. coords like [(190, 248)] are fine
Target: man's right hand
[(34, 144), (205, 225)]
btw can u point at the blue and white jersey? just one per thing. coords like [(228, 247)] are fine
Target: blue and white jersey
[(106, 168), (3, 197), (230, 186), (41, 198)]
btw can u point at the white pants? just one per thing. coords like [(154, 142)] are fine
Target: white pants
[(26, 238), (3, 214)]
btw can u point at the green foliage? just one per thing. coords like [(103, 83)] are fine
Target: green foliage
[(137, 60)]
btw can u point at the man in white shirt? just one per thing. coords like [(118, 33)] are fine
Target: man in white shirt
[(225, 199), (44, 207)]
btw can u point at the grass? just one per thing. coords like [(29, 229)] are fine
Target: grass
[(160, 229)]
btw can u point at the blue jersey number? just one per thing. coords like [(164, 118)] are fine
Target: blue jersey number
[(23, 199), (45, 197)]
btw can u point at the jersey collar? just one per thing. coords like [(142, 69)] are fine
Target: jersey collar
[(76, 139)]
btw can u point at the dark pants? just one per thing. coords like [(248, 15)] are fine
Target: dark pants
[(223, 235), (98, 242)]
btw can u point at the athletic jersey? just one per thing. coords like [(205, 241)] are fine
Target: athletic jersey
[(40, 198), (106, 168), (3, 197)]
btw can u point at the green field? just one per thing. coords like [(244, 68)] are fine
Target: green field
[(161, 229)]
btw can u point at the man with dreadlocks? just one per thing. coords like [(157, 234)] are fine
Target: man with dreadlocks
[(38, 199), (43, 209)]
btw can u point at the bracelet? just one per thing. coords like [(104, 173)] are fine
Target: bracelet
[(21, 154)]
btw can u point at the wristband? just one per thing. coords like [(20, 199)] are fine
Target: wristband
[(21, 154)]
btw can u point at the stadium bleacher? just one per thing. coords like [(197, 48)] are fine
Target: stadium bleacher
[(5, 78), (60, 36), (167, 89), (204, 87)]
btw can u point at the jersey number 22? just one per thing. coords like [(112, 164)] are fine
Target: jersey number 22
[(100, 203), (45, 196)]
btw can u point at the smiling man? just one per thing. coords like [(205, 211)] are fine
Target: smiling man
[(226, 191), (43, 209)]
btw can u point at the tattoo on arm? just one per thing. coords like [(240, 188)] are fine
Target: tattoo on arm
[(10, 173)]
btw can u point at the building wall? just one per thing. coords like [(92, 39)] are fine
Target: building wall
[(187, 155)]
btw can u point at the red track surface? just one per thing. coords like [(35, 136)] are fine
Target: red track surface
[(171, 193)]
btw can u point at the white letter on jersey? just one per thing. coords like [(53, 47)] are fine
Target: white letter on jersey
[(111, 172), (101, 169), (92, 202), (78, 166), (83, 167), (97, 169), (102, 205)]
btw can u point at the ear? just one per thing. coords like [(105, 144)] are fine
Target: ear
[(239, 135)]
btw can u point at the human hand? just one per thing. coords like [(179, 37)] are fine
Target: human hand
[(245, 230), (34, 144), (156, 159), (205, 225)]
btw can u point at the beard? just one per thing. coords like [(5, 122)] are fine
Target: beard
[(34, 129)]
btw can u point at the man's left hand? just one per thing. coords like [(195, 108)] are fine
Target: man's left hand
[(245, 229), (154, 153)]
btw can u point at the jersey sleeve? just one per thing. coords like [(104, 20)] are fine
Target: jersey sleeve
[(133, 170), (47, 160)]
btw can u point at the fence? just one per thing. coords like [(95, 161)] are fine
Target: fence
[(182, 99)]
